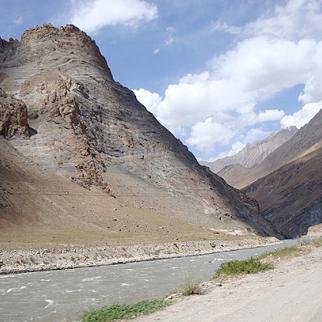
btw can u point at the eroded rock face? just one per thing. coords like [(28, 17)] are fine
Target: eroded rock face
[(93, 130), (13, 116), (61, 107)]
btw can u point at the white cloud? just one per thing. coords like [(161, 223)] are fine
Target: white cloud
[(91, 16), (267, 66), (223, 27), (303, 116), (298, 19), (270, 115), (276, 52), (312, 91), (205, 135), (150, 100), (235, 148)]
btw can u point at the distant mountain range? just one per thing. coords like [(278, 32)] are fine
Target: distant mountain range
[(286, 178), (250, 156)]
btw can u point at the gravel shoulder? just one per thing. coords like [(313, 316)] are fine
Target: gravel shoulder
[(291, 292)]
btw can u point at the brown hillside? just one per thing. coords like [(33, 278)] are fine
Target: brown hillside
[(291, 197), (92, 131)]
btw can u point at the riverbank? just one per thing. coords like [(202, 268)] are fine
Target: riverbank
[(290, 292), (69, 256)]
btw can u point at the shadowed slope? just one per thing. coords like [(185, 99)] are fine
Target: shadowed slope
[(291, 197)]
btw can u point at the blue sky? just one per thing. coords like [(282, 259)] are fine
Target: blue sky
[(219, 74)]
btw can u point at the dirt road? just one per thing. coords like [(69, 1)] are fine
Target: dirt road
[(290, 293)]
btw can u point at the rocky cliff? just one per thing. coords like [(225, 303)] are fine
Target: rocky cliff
[(13, 116), (87, 127)]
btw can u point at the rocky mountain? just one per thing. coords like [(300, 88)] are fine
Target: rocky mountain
[(234, 173), (71, 119), (40, 208), (290, 195), (306, 140), (253, 154)]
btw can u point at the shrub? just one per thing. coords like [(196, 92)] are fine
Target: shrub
[(191, 288)]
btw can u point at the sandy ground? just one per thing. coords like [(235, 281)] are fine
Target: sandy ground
[(290, 293)]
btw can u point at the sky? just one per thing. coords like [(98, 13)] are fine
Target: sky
[(218, 74)]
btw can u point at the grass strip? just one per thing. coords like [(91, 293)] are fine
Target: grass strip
[(242, 267), (118, 312)]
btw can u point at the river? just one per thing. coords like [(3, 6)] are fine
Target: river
[(63, 295)]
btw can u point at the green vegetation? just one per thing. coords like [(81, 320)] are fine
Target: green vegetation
[(262, 262), (284, 253), (122, 311), (240, 267), (191, 288)]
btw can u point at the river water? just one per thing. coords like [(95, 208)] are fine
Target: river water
[(64, 295)]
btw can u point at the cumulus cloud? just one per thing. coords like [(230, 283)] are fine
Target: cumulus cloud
[(312, 91), (267, 66), (235, 148), (270, 115), (277, 51), (303, 116), (92, 15), (148, 99), (204, 135)]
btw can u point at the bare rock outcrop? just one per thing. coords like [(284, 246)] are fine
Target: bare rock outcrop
[(13, 116), (92, 129)]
